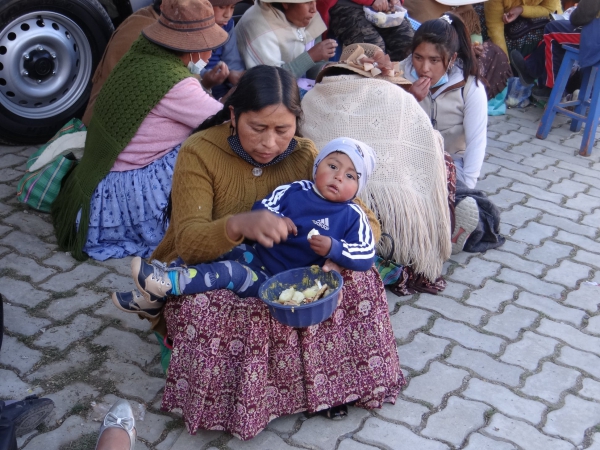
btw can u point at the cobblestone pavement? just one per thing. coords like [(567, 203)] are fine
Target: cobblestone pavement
[(508, 357)]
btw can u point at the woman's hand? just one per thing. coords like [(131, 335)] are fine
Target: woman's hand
[(215, 76), (512, 14), (420, 88), (477, 49), (320, 244), (323, 50), (380, 5), (263, 227), (291, 226)]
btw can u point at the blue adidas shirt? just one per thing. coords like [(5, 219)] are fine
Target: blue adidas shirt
[(353, 243)]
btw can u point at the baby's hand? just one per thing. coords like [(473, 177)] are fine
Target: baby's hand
[(290, 226), (320, 244)]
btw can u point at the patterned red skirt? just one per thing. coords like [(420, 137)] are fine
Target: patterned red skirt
[(235, 368)]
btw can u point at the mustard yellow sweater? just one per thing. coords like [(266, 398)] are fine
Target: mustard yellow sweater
[(494, 9), (211, 183)]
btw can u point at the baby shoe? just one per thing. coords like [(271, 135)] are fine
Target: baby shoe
[(466, 216), (151, 279), (134, 302)]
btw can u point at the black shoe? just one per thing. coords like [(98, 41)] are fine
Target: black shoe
[(520, 65), (27, 414), (541, 92)]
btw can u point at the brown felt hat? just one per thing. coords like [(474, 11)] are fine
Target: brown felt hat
[(186, 26), (224, 2)]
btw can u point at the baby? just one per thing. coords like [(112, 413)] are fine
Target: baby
[(323, 222)]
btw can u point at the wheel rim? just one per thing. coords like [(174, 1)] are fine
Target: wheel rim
[(45, 64)]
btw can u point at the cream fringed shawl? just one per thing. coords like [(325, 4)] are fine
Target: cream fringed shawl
[(408, 190)]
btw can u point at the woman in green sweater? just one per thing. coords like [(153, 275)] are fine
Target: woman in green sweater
[(233, 367)]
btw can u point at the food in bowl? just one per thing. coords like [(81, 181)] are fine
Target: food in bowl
[(293, 297)]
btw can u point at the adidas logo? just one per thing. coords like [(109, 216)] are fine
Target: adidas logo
[(323, 223)]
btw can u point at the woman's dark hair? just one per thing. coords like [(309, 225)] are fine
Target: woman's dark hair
[(258, 88), (449, 38)]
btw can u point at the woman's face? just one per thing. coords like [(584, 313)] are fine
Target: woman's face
[(428, 62), (265, 134), (300, 14)]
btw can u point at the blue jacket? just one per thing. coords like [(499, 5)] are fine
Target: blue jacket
[(352, 240)]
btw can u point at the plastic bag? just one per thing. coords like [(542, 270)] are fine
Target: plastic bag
[(385, 20), (517, 95), (496, 105)]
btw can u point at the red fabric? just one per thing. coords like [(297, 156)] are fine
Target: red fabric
[(323, 6), (560, 38), (235, 368)]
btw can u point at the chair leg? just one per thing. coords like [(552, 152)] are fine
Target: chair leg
[(593, 118), (559, 87), (587, 82)]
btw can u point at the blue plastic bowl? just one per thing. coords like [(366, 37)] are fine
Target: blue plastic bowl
[(302, 278)]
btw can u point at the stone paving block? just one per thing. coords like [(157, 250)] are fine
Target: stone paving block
[(13, 387), (130, 380), (116, 283), (515, 167), (568, 273), (321, 433), (27, 244), (492, 295), (349, 444), (466, 336), (10, 174), (568, 188), (549, 253), (518, 215), (583, 202), (596, 442), (592, 219), (421, 350), (523, 435), (22, 293), (109, 310), (480, 442), (506, 198), (551, 382), (571, 421), (537, 192), (505, 401), (65, 281), (498, 152), (188, 442), (586, 297), (284, 424), (64, 400), (26, 267), (593, 325), (455, 290), (529, 350), (487, 169), (519, 177), (438, 381), (592, 181), (553, 174), (553, 208), (580, 241), (61, 308), (570, 335), (403, 411), (61, 260), (514, 262), (511, 321), (461, 258), (392, 300), (504, 127), (17, 355), (515, 137), (408, 319), (75, 359), (11, 160), (551, 308), (6, 191), (4, 250), (16, 320), (539, 161), (566, 224), (582, 360), (127, 347), (450, 309), (70, 430), (394, 437), (531, 283), (485, 366), (518, 248), (453, 423), (594, 192), (30, 223), (62, 336), (171, 438), (475, 272), (590, 389), (533, 233), (493, 183)]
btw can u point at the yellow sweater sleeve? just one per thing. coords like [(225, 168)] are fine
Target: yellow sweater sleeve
[(545, 8), (494, 9)]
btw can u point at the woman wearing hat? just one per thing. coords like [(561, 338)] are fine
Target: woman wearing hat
[(110, 205), (285, 35)]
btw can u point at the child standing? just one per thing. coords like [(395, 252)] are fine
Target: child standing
[(341, 171)]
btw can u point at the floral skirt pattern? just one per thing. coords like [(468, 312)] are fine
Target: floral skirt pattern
[(235, 368), (126, 210)]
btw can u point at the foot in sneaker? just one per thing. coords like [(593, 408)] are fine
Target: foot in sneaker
[(134, 302), (151, 280), (466, 216), (28, 413)]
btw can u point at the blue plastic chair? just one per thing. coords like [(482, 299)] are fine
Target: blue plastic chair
[(589, 97)]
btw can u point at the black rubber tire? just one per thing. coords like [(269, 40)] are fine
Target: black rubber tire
[(93, 20)]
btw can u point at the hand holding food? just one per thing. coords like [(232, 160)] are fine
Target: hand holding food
[(320, 244)]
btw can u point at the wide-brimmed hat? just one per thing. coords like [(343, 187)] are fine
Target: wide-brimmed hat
[(352, 59), (459, 2), (186, 26), (224, 2)]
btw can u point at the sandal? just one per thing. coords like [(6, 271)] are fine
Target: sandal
[(333, 413), (28, 413), (120, 415)]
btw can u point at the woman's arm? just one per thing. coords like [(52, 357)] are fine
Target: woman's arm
[(494, 9), (475, 124), (542, 10)]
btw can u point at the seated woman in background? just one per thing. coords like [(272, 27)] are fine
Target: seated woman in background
[(111, 204), (284, 35)]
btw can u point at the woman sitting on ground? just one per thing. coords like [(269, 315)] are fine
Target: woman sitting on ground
[(234, 367), (111, 204)]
